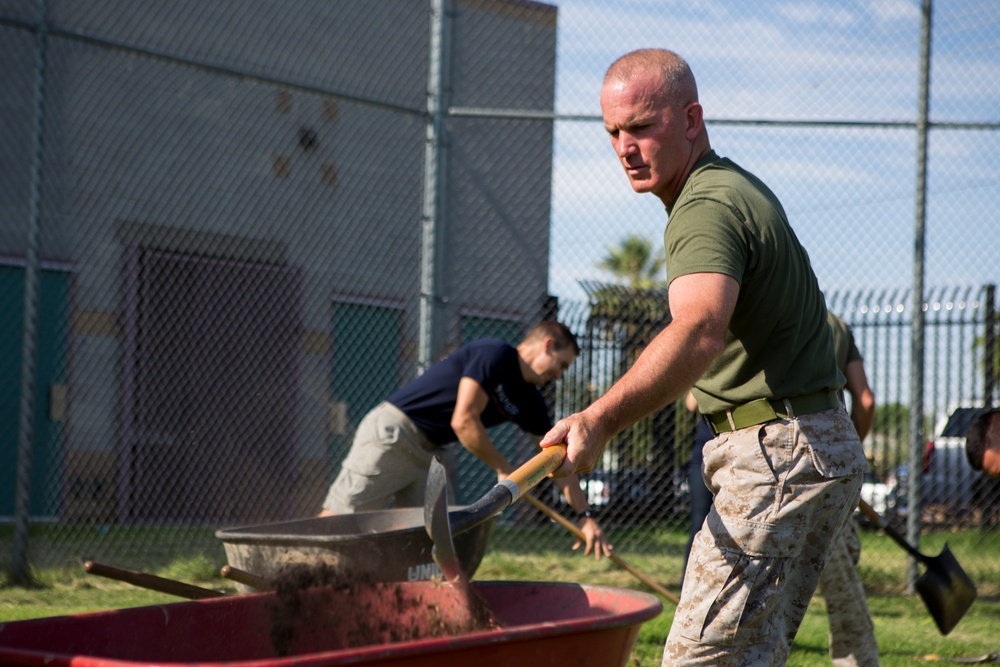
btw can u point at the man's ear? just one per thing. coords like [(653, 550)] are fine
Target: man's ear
[(695, 116)]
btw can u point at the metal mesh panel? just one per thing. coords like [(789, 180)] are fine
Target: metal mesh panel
[(227, 229), (212, 361)]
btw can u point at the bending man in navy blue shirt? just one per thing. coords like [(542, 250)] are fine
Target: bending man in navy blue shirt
[(481, 384)]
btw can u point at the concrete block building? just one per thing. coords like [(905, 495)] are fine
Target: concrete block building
[(227, 208)]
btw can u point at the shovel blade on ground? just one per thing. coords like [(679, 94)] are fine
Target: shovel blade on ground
[(946, 590)]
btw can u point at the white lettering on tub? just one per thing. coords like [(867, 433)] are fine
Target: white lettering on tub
[(422, 572)]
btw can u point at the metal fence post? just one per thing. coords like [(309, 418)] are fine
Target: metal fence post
[(431, 235), (917, 333), (990, 342), (21, 572)]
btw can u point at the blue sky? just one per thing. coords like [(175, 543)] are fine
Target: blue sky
[(849, 192)]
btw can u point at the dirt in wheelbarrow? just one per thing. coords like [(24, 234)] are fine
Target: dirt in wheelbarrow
[(318, 608)]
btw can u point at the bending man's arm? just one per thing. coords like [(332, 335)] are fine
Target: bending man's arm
[(467, 423)]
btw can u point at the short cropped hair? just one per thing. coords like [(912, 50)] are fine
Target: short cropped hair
[(559, 332), (983, 434), (678, 83)]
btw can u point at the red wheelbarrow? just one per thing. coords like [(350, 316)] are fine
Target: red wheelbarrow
[(385, 624)]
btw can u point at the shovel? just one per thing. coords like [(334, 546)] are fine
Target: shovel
[(944, 586), (617, 560), (441, 525)]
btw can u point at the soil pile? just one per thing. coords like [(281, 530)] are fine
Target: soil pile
[(317, 608)]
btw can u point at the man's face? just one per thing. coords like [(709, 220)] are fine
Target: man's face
[(552, 363), (991, 462), (653, 140)]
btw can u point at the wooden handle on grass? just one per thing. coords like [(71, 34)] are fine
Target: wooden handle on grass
[(620, 562), (239, 576), (150, 581)]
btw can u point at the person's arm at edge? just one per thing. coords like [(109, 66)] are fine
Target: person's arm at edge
[(690, 402), (862, 398), (701, 305)]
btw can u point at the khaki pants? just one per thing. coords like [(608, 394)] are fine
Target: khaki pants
[(387, 465), (783, 492)]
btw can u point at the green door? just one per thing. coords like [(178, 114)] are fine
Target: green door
[(46, 463), (367, 349)]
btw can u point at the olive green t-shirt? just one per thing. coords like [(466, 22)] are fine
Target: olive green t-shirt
[(844, 348), (779, 345)]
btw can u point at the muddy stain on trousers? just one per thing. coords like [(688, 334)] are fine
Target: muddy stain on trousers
[(783, 490)]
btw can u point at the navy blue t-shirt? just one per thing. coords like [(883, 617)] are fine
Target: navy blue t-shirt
[(429, 400)]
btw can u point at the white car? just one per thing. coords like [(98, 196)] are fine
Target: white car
[(875, 492)]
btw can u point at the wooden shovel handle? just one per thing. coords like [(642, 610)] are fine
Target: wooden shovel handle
[(620, 562), (537, 468), (870, 513), (874, 517), (150, 581)]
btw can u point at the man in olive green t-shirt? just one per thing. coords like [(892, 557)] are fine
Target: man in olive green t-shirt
[(852, 634), (749, 334)]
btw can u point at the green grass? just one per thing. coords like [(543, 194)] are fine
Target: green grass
[(904, 628)]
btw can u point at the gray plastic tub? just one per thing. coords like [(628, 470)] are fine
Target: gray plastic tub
[(385, 545)]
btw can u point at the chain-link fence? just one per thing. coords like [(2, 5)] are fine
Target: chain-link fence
[(230, 228)]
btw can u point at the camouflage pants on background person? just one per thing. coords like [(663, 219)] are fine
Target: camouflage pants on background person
[(783, 491), (852, 635)]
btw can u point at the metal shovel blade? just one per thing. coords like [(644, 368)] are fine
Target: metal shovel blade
[(944, 586), (438, 526), (473, 613), (945, 589)]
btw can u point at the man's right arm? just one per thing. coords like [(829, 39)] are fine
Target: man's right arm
[(701, 306)]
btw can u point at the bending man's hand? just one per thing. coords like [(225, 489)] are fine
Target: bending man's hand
[(597, 542)]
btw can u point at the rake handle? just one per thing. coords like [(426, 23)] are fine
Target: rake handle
[(620, 562)]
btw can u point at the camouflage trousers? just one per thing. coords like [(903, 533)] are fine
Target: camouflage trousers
[(852, 635), (783, 490)]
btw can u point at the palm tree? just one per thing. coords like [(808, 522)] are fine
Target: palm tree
[(635, 261), (640, 304), (630, 315)]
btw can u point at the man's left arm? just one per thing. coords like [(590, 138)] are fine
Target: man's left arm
[(862, 398), (701, 305)]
